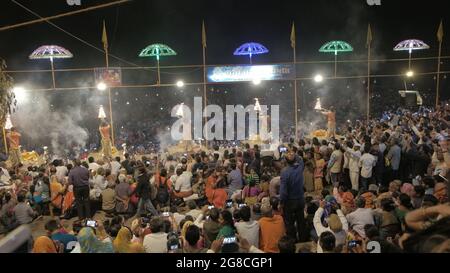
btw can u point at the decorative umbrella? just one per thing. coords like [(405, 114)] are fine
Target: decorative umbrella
[(250, 49), (51, 52), (157, 50), (410, 45), (336, 47)]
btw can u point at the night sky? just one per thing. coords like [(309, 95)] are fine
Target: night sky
[(134, 25)]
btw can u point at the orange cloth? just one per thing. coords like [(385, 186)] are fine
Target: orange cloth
[(105, 131), (209, 188), (68, 200), (271, 231), (331, 117), (14, 140), (219, 197), (56, 192), (44, 244), (370, 198)]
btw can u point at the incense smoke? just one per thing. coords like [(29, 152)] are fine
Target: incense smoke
[(60, 130)]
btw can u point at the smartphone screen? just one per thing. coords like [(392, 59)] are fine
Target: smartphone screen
[(229, 240), (173, 247), (210, 207), (165, 214), (354, 243), (91, 223)]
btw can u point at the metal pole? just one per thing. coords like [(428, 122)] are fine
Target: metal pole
[(159, 74), (53, 73), (109, 98), (335, 65), (438, 75), (295, 95), (204, 92), (4, 141), (409, 61), (368, 82)]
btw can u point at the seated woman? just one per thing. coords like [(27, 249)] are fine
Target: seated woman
[(219, 194), (69, 199), (41, 194), (109, 199), (123, 196), (89, 243), (251, 192), (57, 190), (123, 244), (44, 244)]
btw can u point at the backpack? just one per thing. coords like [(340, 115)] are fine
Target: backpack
[(162, 195)]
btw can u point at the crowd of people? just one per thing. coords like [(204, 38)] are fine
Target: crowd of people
[(383, 181)]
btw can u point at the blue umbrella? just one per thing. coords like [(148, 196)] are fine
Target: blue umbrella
[(250, 49)]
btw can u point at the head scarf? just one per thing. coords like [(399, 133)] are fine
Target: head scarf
[(123, 244), (44, 244), (89, 243), (185, 227), (330, 202), (348, 200)]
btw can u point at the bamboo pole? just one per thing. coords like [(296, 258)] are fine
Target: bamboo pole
[(295, 95), (368, 80), (204, 91), (438, 77), (4, 140), (53, 73)]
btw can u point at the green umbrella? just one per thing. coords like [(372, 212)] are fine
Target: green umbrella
[(157, 50), (336, 47)]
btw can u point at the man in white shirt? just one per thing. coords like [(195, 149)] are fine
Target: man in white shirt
[(354, 156), (61, 171), (93, 166), (115, 166), (248, 228), (156, 242), (183, 186), (360, 217), (367, 162)]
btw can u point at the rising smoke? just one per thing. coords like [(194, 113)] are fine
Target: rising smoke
[(61, 130)]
